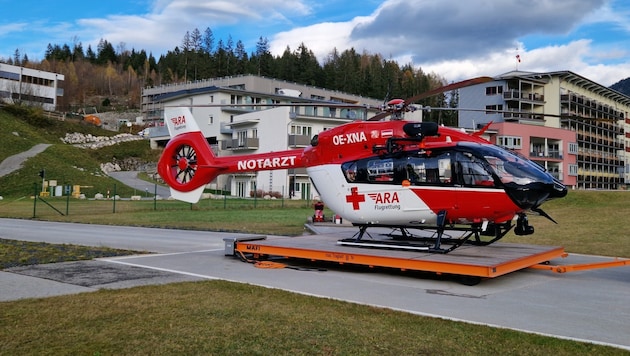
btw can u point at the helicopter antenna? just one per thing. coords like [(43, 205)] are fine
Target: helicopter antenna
[(389, 90)]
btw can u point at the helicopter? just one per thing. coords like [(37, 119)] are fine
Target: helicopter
[(399, 174)]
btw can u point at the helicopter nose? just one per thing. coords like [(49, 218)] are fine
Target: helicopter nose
[(533, 194), (558, 190)]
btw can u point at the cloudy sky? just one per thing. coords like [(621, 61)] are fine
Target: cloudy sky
[(453, 38)]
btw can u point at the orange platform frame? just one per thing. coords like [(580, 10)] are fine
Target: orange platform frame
[(468, 260)]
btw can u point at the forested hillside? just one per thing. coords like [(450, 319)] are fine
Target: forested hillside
[(113, 76), (622, 86)]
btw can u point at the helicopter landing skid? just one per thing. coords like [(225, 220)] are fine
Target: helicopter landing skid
[(438, 242)]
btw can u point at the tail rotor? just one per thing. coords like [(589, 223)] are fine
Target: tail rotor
[(185, 164)]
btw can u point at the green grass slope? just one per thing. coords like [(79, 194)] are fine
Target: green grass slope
[(23, 128)]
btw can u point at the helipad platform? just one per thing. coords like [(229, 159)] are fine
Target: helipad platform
[(477, 261)]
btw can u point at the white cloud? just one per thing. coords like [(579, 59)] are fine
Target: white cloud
[(320, 38), (452, 38), (164, 27), (460, 40), (437, 30)]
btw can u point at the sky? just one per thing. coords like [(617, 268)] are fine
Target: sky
[(452, 38)]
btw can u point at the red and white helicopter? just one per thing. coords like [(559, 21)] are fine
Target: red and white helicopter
[(396, 173)]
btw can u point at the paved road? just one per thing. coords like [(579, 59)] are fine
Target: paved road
[(130, 178), (588, 305), (13, 163)]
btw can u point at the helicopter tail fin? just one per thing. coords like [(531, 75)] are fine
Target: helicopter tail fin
[(179, 120), (187, 163), (482, 130)]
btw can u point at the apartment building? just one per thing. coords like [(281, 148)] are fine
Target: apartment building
[(30, 86), (577, 129), (250, 114)]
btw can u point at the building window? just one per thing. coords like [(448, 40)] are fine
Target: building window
[(573, 169), (236, 99), (573, 148), (511, 142), (301, 130), (492, 109), (210, 119), (494, 90), (242, 138)]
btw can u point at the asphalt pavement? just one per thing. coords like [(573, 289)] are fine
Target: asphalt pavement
[(590, 305), (15, 162), (142, 187)]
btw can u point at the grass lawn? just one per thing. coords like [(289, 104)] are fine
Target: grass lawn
[(225, 318), (219, 317), (589, 222)]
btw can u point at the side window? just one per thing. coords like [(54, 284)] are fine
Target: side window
[(350, 171), (428, 170), (471, 172), (416, 169), (380, 170)]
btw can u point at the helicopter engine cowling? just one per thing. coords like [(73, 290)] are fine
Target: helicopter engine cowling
[(421, 129)]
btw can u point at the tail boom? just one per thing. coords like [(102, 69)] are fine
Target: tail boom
[(188, 163)]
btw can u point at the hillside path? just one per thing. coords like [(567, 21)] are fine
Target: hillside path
[(15, 162), (130, 179)]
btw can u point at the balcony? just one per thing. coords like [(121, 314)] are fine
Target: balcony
[(299, 141), (519, 96), (550, 154), (240, 144), (516, 115), (158, 131), (226, 128), (297, 172)]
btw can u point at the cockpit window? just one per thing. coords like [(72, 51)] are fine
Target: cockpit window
[(467, 165), (508, 167), (471, 171)]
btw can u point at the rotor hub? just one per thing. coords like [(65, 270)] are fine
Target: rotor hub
[(182, 163)]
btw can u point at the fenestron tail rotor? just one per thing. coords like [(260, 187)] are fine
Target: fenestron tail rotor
[(187, 162), (184, 164)]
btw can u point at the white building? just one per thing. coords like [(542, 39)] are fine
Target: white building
[(30, 86), (253, 114)]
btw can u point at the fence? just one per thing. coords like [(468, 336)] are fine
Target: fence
[(66, 204)]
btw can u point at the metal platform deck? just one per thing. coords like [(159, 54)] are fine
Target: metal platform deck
[(477, 261)]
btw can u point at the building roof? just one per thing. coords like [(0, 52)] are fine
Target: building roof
[(574, 79)]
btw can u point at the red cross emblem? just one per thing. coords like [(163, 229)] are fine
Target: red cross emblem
[(355, 198)]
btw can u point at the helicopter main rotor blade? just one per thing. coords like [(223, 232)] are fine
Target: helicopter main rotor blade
[(523, 114), (436, 91), (449, 87), (272, 105)]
